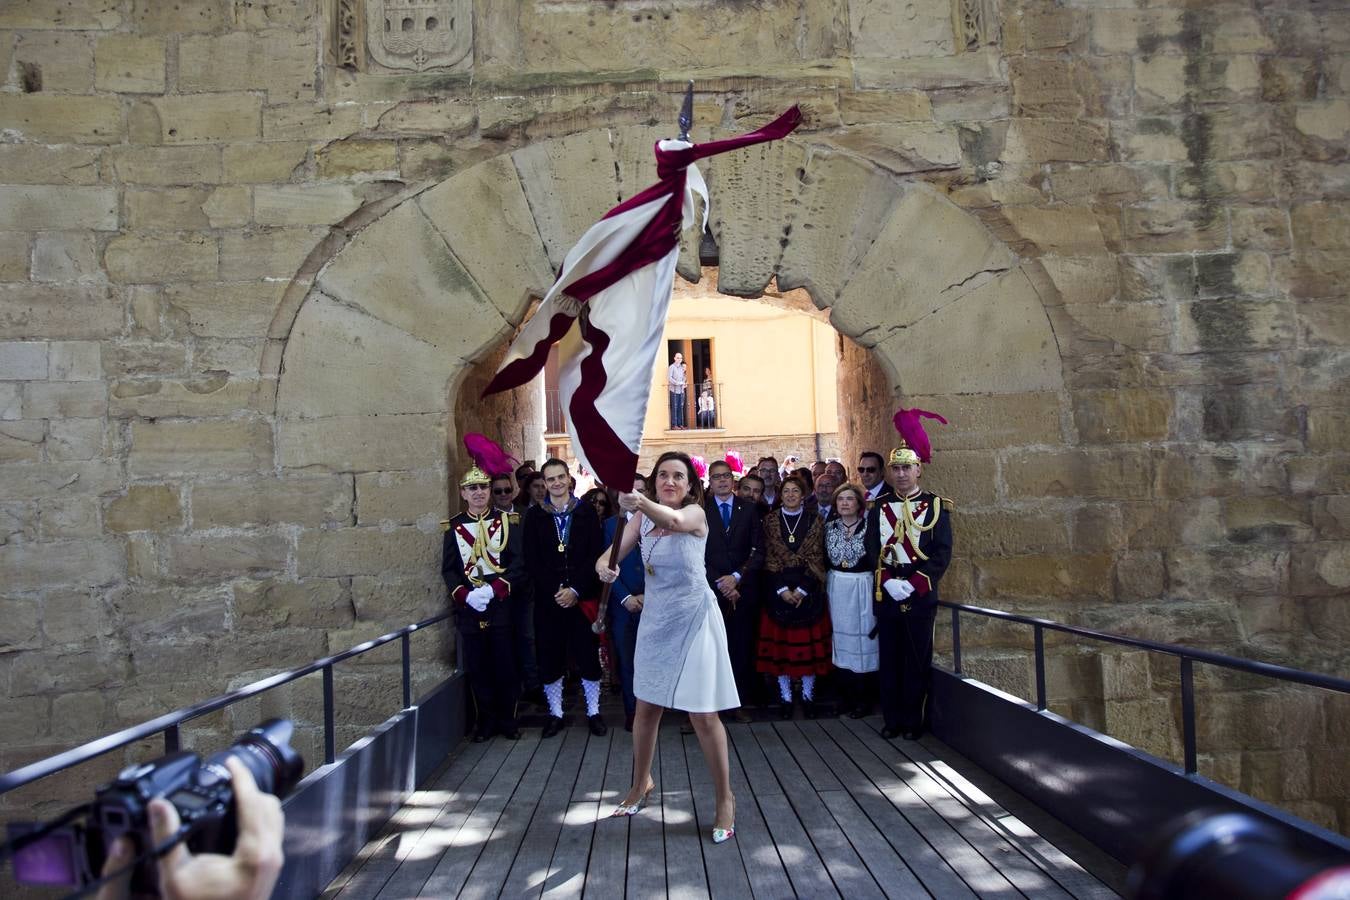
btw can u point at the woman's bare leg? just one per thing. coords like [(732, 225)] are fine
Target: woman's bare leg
[(712, 737), (646, 723)]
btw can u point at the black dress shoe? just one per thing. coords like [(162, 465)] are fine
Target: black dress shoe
[(809, 709), (554, 726), (890, 733), (511, 734), (597, 725), (480, 735), (859, 712), (911, 734), (785, 710)]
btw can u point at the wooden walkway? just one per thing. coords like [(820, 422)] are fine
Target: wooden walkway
[(825, 808)]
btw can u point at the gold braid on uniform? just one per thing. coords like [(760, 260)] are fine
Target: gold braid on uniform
[(482, 545), (903, 528)]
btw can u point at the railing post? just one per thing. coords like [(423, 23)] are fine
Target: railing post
[(171, 743), (329, 738), (1040, 667), (956, 640), (1188, 714), (407, 669)]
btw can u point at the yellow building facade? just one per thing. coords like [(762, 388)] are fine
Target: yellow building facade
[(773, 377)]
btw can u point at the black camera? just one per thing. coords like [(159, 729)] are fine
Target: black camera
[(1236, 856), (73, 852)]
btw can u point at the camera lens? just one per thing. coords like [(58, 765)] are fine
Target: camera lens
[(267, 753)]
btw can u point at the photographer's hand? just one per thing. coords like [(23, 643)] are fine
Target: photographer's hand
[(253, 869), (249, 874)]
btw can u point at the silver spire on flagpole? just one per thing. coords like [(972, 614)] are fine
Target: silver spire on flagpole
[(687, 111)]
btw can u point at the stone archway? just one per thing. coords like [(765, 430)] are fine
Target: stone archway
[(395, 319)]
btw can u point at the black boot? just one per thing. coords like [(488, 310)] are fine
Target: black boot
[(552, 727)]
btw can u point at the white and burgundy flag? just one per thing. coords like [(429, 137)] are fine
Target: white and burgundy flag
[(608, 308)]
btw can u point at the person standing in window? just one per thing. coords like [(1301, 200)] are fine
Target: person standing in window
[(707, 409), (676, 382)]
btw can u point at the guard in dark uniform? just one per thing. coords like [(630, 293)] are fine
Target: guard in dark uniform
[(480, 561), (562, 542), (910, 537)]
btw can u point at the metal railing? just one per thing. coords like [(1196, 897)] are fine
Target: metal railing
[(1187, 657), (692, 416), (169, 723)]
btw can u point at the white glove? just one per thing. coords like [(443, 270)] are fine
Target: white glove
[(478, 597), (899, 590)]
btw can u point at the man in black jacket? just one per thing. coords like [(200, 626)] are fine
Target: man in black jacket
[(734, 555), (910, 536), (562, 542)]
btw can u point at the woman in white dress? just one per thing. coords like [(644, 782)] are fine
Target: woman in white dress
[(681, 659)]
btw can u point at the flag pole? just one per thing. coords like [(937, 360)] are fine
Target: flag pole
[(686, 122)]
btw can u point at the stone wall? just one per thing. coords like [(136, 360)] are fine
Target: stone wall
[(247, 261)]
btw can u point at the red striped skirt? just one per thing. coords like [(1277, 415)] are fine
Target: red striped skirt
[(794, 651)]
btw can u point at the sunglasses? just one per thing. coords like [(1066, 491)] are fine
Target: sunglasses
[(502, 492), (868, 469)]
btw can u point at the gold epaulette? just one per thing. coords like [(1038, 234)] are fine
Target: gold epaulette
[(513, 518), (445, 524), (948, 502)]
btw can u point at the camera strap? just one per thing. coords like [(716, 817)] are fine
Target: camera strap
[(181, 835)]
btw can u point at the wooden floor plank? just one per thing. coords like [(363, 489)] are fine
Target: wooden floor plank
[(646, 875), (609, 841), (416, 867), (489, 873), (825, 808), (571, 856), (816, 770), (886, 866), (982, 877), (688, 880), (375, 864), (851, 877), (531, 867), (1024, 875), (1040, 851), (763, 866), (462, 850), (591, 777), (802, 864), (876, 852), (727, 879), (914, 849)]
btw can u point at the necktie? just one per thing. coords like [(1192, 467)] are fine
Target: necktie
[(726, 514)]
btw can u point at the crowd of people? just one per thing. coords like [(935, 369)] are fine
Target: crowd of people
[(816, 576)]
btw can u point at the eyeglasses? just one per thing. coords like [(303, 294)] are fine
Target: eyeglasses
[(720, 475), (868, 469)]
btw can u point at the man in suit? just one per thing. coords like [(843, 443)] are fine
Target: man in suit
[(872, 476), (824, 496), (734, 555), (910, 536)]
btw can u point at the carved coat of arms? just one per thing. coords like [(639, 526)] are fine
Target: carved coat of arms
[(419, 34)]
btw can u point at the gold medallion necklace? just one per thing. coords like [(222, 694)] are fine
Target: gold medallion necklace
[(791, 532), (650, 551)]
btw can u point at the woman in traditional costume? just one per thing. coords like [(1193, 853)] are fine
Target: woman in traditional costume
[(794, 627), (681, 658), (849, 588)]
